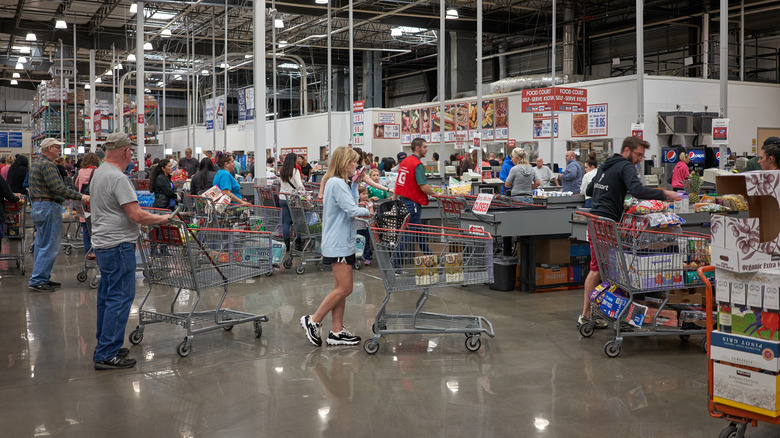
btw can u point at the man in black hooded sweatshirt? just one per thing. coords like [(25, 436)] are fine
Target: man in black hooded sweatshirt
[(616, 177)]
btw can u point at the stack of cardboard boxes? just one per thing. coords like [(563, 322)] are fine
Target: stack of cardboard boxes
[(746, 253), (559, 263)]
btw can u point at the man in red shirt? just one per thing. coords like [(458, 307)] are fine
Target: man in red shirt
[(412, 187), (680, 173)]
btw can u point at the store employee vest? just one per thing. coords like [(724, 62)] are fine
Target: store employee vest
[(406, 185)]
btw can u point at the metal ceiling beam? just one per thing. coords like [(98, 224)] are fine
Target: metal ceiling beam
[(101, 14)]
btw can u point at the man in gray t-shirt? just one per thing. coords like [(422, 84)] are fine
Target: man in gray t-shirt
[(544, 174), (116, 216)]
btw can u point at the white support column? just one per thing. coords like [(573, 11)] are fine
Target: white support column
[(640, 61), (441, 55), (478, 164), (139, 85), (259, 79), (552, 84), (724, 71)]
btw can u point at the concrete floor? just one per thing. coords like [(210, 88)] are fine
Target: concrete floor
[(537, 370)]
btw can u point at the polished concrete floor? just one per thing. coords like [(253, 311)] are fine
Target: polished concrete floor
[(537, 377)]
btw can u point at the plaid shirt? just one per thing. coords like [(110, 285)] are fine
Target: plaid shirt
[(46, 182)]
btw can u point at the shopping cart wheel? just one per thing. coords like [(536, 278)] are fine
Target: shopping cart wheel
[(269, 273), (136, 336), (733, 431), (473, 343), (228, 328), (703, 344), (81, 276), (68, 250), (300, 270), (586, 330), (685, 337), (184, 349), (258, 329), (287, 263), (371, 346), (611, 349), (95, 282), (357, 265)]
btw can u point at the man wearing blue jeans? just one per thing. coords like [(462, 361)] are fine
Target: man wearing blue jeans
[(47, 191), (116, 216)]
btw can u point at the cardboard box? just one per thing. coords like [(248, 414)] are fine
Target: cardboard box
[(613, 303), (746, 388), (666, 317), (686, 298), (579, 250), (744, 350), (748, 244), (552, 251), (557, 274), (751, 322), (757, 290), (635, 315), (656, 271)]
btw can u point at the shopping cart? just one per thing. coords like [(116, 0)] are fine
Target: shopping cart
[(140, 184), (199, 260), (15, 229), (307, 224), (450, 208), (738, 418), (641, 261), (90, 262), (418, 257), (267, 196), (70, 218)]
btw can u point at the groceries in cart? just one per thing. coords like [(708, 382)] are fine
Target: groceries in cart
[(220, 200)]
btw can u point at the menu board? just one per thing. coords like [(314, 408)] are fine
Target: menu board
[(592, 123), (425, 122)]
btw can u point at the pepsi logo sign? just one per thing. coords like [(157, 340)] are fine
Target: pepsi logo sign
[(671, 156)]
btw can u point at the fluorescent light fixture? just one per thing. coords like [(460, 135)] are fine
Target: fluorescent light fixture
[(321, 2), (19, 66), (14, 82), (287, 65), (60, 24), (87, 87), (131, 57), (279, 23), (282, 44), (452, 14), (146, 90), (166, 33), (31, 37), (247, 56), (109, 73), (161, 84), (23, 49), (98, 81), (133, 8), (22, 60), (16, 76), (396, 32), (177, 77), (204, 72), (223, 65), (148, 46), (119, 66)]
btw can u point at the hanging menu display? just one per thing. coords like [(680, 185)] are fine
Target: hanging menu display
[(592, 123), (425, 122)]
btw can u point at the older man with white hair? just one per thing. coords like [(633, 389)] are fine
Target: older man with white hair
[(47, 191)]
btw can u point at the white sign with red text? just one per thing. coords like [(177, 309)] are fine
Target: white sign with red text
[(482, 204)]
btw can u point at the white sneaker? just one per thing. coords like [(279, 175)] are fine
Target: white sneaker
[(344, 337)]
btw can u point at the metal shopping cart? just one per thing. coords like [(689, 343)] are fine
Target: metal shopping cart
[(418, 257), (140, 184), (267, 196), (450, 208), (90, 262), (199, 260), (71, 237), (641, 261), (15, 229), (307, 224)]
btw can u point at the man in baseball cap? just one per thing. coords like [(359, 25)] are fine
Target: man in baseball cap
[(401, 155), (47, 191)]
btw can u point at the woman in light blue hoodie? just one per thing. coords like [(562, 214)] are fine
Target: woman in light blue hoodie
[(340, 208)]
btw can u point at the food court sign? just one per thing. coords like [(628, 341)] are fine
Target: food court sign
[(555, 98)]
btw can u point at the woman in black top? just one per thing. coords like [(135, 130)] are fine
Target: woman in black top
[(164, 196), (204, 177), (305, 167), (17, 172), (8, 195)]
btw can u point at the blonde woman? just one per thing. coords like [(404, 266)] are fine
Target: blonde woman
[(340, 208), (522, 178)]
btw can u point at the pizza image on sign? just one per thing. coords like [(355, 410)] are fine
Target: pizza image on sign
[(579, 124)]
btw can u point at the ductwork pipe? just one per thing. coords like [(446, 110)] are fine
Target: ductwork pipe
[(533, 81)]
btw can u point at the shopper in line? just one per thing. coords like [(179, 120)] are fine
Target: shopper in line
[(544, 174), (225, 181), (290, 182), (522, 178), (572, 175), (89, 163), (7, 195), (162, 188), (8, 163), (681, 172), (204, 177), (362, 175), (769, 155), (340, 209), (48, 191), (591, 167), (188, 163), (17, 173), (115, 227), (615, 178), (365, 202), (305, 168)]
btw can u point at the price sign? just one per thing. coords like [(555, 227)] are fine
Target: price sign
[(482, 204)]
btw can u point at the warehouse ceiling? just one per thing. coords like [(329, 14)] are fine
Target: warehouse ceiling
[(109, 25)]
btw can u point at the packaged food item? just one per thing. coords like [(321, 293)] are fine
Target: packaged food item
[(734, 202), (663, 220), (425, 270), (453, 268), (648, 206), (707, 207)]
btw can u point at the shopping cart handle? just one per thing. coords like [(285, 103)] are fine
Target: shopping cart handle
[(586, 214), (175, 213)]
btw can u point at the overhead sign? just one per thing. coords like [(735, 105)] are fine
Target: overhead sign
[(10, 140), (638, 130), (11, 120), (720, 134), (560, 99)]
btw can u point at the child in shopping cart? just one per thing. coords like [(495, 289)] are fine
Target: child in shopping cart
[(374, 193), (365, 202)]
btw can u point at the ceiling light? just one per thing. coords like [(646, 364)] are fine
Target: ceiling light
[(287, 65), (395, 32), (282, 44), (204, 72), (279, 23), (60, 24), (19, 66), (133, 8), (22, 60), (452, 13), (23, 49), (161, 84), (17, 76), (148, 46), (31, 37), (87, 87), (321, 2), (146, 90), (248, 55), (131, 58), (14, 82), (109, 73), (177, 77), (223, 65), (166, 33), (98, 81), (119, 66)]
